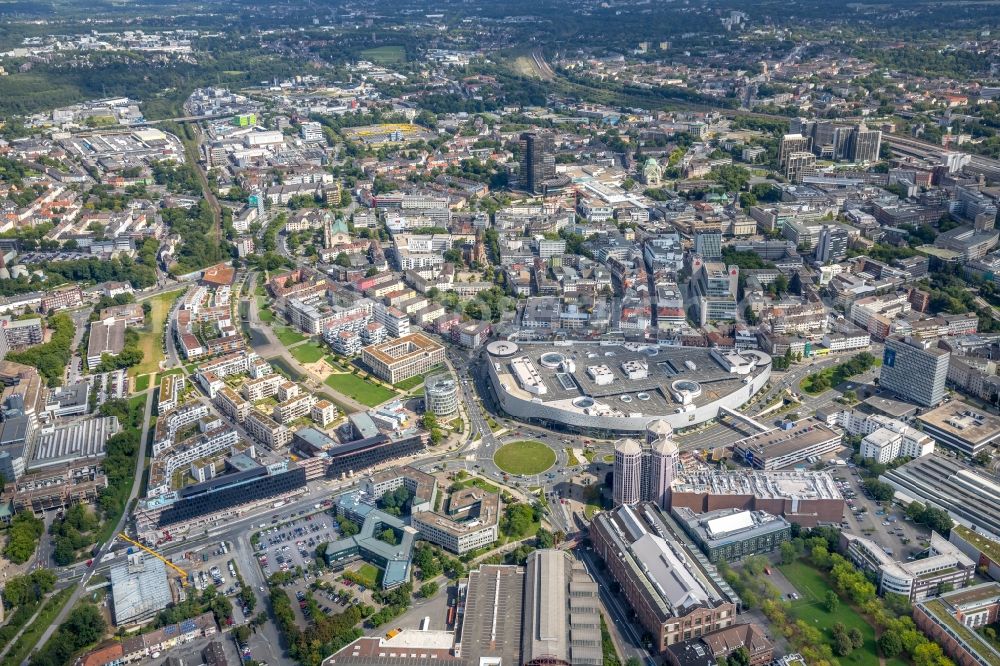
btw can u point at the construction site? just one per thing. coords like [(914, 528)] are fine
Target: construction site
[(143, 582), (386, 133)]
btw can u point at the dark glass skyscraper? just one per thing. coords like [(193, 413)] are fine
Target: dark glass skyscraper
[(538, 161)]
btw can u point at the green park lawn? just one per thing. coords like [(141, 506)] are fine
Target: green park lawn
[(812, 587), (367, 574), (137, 400), (360, 389), (151, 335), (310, 352), (592, 495), (525, 457), (409, 383), (265, 315), (141, 383), (417, 380), (384, 55), (288, 336)]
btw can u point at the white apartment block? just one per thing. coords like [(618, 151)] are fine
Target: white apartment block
[(885, 439), (396, 322), (346, 343), (838, 342), (232, 405), (409, 261), (373, 333), (170, 422), (203, 445), (323, 412), (232, 364), (264, 387), (171, 388), (897, 441), (311, 131), (288, 390), (437, 529), (266, 431), (293, 408), (260, 368)]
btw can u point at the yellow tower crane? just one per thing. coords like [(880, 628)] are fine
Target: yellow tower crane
[(183, 574)]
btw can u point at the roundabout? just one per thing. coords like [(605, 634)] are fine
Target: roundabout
[(524, 458)]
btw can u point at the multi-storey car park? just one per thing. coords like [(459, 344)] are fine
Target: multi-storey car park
[(621, 389)]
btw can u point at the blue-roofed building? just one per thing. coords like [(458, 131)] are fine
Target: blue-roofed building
[(395, 560)]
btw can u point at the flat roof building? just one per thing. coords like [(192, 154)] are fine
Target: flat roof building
[(491, 618), (394, 559), (471, 520), (952, 621), (917, 580), (562, 621), (959, 425), (410, 647), (423, 487), (73, 442), (982, 547), (593, 388), (366, 453), (803, 497), (784, 447), (969, 496), (401, 358), (914, 370), (106, 337), (731, 534), (545, 613), (225, 495)]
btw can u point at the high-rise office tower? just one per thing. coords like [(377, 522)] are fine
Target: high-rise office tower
[(798, 165), (830, 141), (832, 245), (643, 472), (708, 245), (663, 457), (823, 139), (792, 143), (538, 161), (914, 369), (628, 472), (864, 144)]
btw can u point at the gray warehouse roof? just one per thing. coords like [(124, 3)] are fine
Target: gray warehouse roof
[(560, 610), (139, 588), (947, 483), (83, 439)]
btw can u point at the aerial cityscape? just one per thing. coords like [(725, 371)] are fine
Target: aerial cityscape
[(608, 333)]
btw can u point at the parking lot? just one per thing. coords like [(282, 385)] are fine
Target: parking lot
[(216, 565), (285, 546), (886, 525)]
